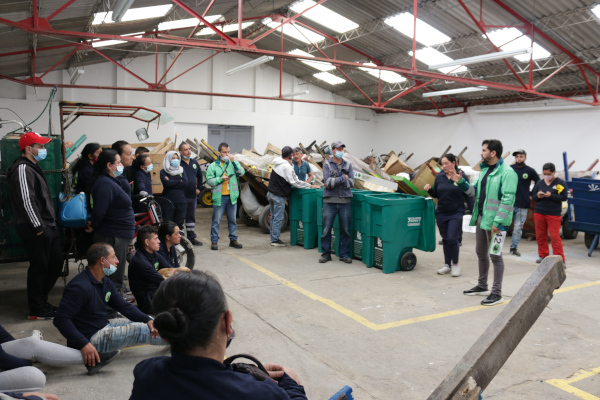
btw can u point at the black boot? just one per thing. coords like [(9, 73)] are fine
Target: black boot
[(105, 359)]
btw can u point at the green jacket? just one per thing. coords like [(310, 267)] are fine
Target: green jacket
[(214, 178), (499, 200)]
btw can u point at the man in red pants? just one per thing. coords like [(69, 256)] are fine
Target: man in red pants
[(549, 193)]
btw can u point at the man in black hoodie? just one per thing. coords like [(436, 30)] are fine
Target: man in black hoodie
[(31, 202)]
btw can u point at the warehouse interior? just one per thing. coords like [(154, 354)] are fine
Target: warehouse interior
[(242, 71)]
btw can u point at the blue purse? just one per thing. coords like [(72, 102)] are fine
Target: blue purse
[(72, 211)]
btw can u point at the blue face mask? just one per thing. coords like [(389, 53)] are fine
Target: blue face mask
[(149, 167), (119, 171), (41, 154), (109, 271), (186, 157), (339, 154), (175, 163)]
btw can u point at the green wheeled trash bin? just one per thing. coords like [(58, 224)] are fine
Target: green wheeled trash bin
[(303, 217), (394, 225)]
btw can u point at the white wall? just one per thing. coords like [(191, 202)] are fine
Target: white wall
[(278, 122), (544, 135)]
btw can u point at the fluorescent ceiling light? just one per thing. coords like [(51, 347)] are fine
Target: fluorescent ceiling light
[(386, 76), (431, 56), (185, 23), (302, 93), (321, 66), (324, 16), (482, 58), (426, 34), (298, 32), (455, 91), (104, 43), (133, 14), (517, 41), (329, 78), (226, 28), (251, 64), (596, 11)]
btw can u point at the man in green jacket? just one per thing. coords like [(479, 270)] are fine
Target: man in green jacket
[(222, 177), (494, 191)]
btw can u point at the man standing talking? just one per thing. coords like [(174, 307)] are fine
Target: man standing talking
[(338, 177), (494, 191), (31, 201), (222, 177), (526, 175), (194, 178), (282, 179)]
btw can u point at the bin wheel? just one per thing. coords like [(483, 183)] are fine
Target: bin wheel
[(264, 220), (567, 232), (589, 238), (205, 198), (248, 220), (408, 262)]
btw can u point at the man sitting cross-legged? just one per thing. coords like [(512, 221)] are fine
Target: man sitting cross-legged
[(82, 318)]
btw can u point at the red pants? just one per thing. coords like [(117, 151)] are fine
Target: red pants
[(545, 224)]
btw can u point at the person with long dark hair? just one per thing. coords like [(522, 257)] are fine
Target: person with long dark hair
[(139, 173), (112, 215), (193, 317), (123, 148), (449, 212), (83, 169), (549, 194), (174, 180), (170, 236)]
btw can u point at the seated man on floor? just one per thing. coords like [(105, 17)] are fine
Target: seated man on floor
[(82, 318), (148, 268)]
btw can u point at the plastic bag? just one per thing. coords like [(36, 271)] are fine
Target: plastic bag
[(249, 202), (72, 212)]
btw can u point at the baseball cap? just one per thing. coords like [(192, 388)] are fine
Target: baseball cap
[(31, 138), (337, 144), (521, 151)]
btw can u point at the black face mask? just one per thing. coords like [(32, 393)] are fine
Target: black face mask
[(230, 338), (520, 164)]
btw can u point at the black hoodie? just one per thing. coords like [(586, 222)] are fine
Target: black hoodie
[(31, 199)]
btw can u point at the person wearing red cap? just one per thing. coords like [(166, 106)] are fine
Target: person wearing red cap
[(31, 202)]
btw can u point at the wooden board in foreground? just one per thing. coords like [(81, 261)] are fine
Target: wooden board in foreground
[(479, 366)]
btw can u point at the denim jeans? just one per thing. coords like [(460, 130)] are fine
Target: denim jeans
[(330, 211), (277, 207), (225, 208), (520, 215), (121, 333)]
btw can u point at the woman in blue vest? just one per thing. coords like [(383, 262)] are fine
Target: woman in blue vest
[(112, 215), (139, 173), (192, 315), (169, 236), (449, 213), (174, 181)]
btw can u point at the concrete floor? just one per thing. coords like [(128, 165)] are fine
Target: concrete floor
[(387, 336)]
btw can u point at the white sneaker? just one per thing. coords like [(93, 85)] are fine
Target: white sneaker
[(455, 270), (444, 270), (36, 334)]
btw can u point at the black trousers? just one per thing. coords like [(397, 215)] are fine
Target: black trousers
[(190, 218), (174, 212), (45, 263)]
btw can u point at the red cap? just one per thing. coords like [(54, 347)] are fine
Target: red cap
[(31, 138)]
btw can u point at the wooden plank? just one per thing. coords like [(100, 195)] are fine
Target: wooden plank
[(395, 166), (161, 146), (489, 353), (157, 161), (309, 157)]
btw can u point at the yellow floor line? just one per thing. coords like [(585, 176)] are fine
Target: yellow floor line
[(565, 384), (379, 327)]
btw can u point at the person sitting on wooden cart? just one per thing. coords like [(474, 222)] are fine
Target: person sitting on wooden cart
[(282, 179), (174, 180), (222, 177)]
